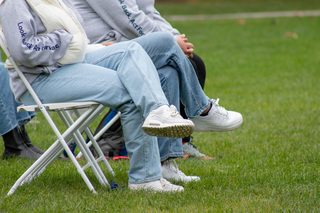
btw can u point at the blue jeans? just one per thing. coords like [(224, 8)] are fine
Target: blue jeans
[(170, 147), (120, 76), (174, 68), (9, 117)]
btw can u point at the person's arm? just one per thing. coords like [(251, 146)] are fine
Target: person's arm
[(21, 28), (124, 16), (165, 26)]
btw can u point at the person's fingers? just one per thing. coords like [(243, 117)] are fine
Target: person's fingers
[(189, 55), (190, 50), (190, 45)]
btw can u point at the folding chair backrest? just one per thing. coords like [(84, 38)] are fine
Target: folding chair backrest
[(4, 47)]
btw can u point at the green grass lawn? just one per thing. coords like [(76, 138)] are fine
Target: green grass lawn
[(193, 7), (267, 69)]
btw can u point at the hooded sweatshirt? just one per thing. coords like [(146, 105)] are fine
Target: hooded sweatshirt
[(120, 20), (35, 50)]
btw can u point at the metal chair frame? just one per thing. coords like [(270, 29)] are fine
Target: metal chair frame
[(72, 133)]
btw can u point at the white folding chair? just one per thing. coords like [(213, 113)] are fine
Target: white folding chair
[(73, 133), (101, 132)]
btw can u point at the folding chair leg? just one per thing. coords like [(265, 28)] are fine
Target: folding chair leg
[(66, 147), (100, 133), (91, 160), (95, 138), (85, 150), (38, 167), (100, 153), (76, 163)]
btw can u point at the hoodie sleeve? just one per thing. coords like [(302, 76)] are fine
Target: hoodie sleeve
[(124, 16), (163, 24), (22, 30)]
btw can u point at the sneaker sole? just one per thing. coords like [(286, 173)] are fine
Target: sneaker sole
[(142, 188), (154, 190), (177, 131)]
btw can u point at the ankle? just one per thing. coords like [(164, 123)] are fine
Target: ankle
[(206, 111)]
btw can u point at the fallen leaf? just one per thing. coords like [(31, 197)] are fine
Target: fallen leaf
[(241, 21), (291, 35)]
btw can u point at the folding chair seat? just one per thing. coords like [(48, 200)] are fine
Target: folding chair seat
[(72, 133)]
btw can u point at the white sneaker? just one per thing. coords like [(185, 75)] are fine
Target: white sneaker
[(166, 121), (152, 186), (169, 187), (218, 119), (190, 149), (172, 172), (161, 185)]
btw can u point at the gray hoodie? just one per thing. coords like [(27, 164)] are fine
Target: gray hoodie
[(120, 20), (36, 54)]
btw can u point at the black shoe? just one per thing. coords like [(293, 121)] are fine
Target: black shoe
[(28, 142), (15, 146)]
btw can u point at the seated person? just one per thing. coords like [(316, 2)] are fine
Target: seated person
[(172, 65), (16, 140), (108, 21), (51, 48)]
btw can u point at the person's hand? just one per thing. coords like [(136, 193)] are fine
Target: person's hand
[(108, 43), (186, 47)]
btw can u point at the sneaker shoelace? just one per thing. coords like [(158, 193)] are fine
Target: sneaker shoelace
[(173, 112), (219, 109), (167, 185), (164, 182), (174, 167), (191, 144)]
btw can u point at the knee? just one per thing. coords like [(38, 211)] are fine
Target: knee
[(132, 45), (164, 38), (159, 40)]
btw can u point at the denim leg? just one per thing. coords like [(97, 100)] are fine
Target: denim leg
[(164, 50), (142, 148), (23, 117), (9, 117), (87, 82), (169, 80), (80, 82), (136, 72), (170, 147)]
